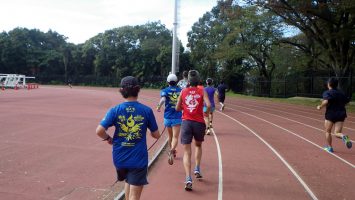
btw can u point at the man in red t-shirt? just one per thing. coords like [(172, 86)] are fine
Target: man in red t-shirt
[(191, 101)]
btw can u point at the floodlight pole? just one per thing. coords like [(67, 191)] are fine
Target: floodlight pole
[(174, 49)]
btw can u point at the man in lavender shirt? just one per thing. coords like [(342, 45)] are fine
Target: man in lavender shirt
[(211, 91)]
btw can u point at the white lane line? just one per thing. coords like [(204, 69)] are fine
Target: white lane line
[(321, 130), (220, 169), (287, 107), (309, 191), (303, 116), (295, 134)]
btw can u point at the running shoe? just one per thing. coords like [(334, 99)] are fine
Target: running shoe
[(207, 131), (347, 141), (197, 173), (170, 158), (222, 107), (188, 184), (329, 149)]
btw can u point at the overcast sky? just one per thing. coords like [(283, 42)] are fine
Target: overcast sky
[(80, 20)]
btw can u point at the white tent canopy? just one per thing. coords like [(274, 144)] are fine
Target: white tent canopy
[(14, 80)]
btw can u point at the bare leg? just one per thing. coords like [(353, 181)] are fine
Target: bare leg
[(328, 130), (135, 192), (170, 133), (345, 138), (187, 159), (175, 139), (338, 129), (198, 153), (126, 190), (207, 131), (211, 117)]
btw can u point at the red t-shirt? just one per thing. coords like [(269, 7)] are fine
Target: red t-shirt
[(192, 104)]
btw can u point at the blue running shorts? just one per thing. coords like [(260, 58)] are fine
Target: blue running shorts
[(172, 122)]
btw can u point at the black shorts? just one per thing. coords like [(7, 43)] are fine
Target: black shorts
[(335, 116), (134, 176), (221, 98), (335, 119), (192, 129)]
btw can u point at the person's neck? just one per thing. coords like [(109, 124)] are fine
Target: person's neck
[(130, 99)]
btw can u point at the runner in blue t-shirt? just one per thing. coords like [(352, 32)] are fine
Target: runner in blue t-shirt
[(211, 91), (335, 114), (172, 118), (129, 151)]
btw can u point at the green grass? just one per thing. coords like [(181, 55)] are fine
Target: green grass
[(311, 102)]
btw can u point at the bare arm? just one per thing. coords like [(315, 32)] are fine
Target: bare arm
[(207, 102), (155, 134), (324, 103), (101, 132), (178, 106), (161, 102)]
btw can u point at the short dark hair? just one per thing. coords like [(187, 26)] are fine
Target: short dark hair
[(193, 78), (129, 87), (130, 91), (185, 74), (172, 83), (333, 82), (209, 81)]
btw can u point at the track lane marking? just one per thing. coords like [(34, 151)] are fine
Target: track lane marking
[(285, 118), (299, 115), (220, 169), (309, 191), (288, 106), (295, 134), (220, 163)]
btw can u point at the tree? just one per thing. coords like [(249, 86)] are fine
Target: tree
[(329, 23), (254, 34)]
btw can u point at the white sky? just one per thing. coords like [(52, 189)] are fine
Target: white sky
[(80, 20)]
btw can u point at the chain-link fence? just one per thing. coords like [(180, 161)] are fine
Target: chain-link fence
[(294, 86), (91, 80)]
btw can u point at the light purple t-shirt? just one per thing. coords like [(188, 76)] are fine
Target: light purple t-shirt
[(210, 92)]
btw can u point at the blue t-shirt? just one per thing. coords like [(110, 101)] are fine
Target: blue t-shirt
[(210, 92), (171, 95), (131, 120)]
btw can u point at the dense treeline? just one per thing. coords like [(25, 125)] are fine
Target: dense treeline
[(143, 51), (233, 41)]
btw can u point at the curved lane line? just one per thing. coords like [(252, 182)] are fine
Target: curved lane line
[(321, 130), (301, 116), (295, 134), (309, 191), (220, 166), (220, 169), (289, 106)]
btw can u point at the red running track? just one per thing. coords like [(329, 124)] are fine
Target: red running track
[(268, 151), (48, 145)]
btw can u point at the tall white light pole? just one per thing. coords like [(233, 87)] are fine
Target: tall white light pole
[(174, 50)]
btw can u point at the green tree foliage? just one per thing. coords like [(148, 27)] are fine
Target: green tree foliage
[(230, 40), (330, 25), (205, 40), (31, 52), (143, 51)]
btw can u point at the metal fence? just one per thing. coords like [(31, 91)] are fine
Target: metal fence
[(294, 86)]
